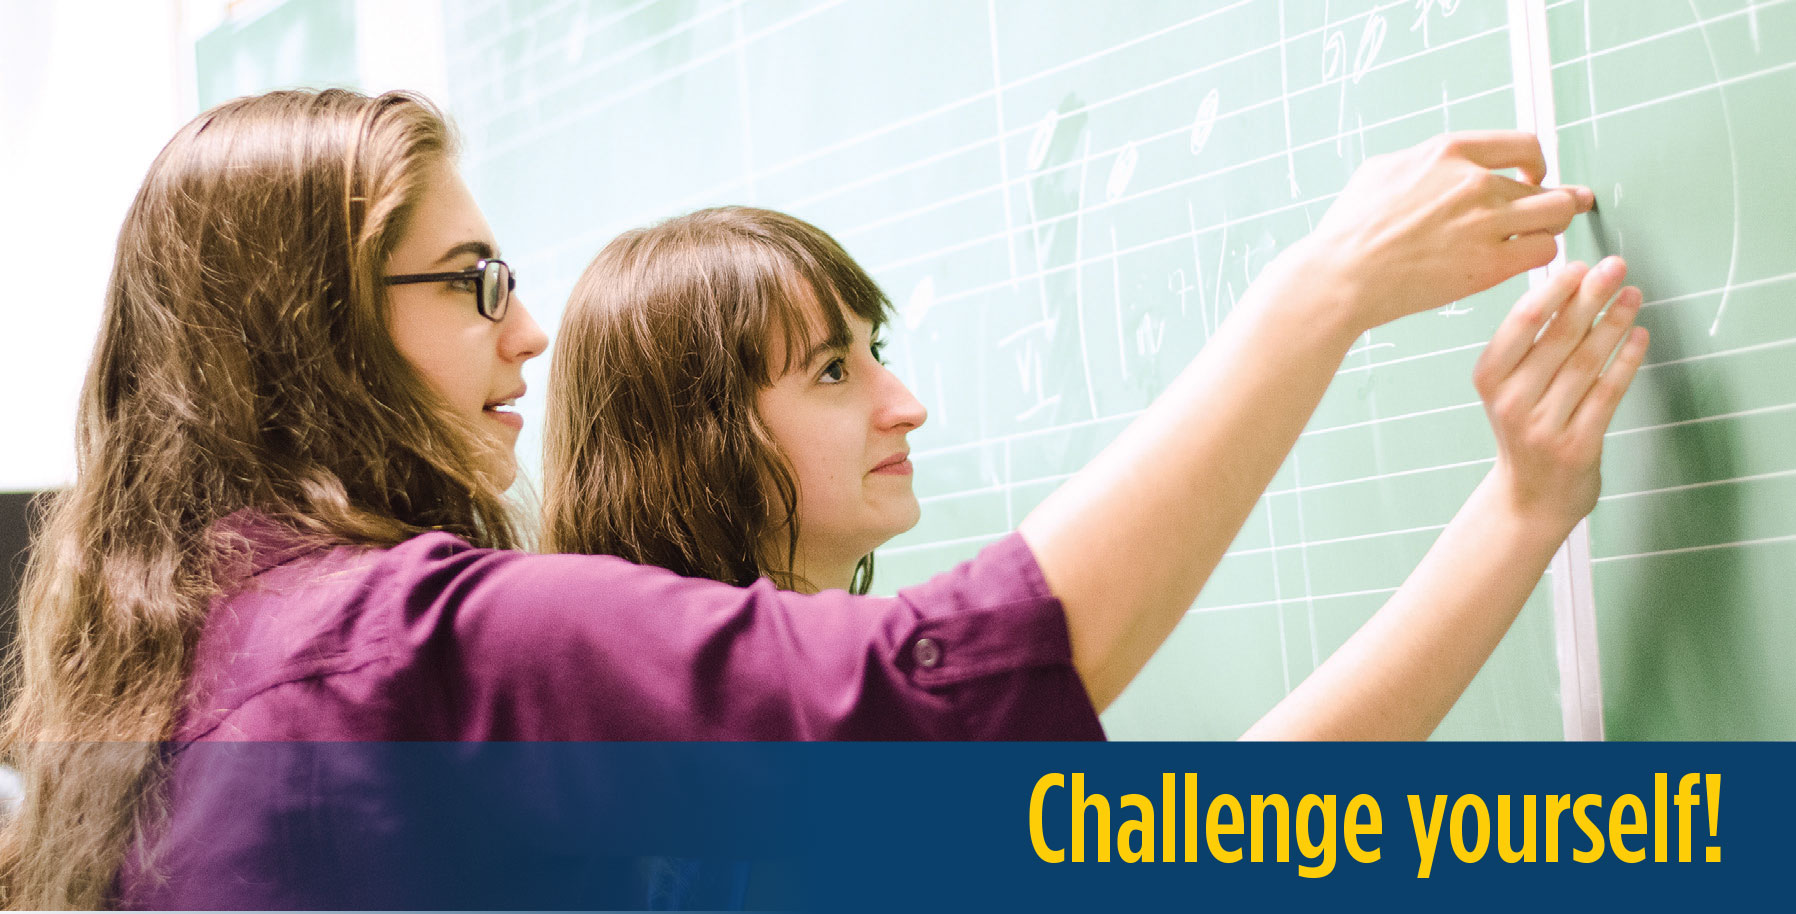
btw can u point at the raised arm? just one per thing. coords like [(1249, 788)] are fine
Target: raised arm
[(1127, 543), (1549, 403)]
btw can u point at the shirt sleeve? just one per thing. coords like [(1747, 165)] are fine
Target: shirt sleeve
[(502, 645)]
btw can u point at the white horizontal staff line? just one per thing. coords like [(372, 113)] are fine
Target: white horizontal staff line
[(481, 50), (1306, 598), (1677, 95), (587, 69), (1029, 177), (1411, 358), (1130, 93), (935, 544), (1765, 281), (1758, 411), (1756, 477), (1122, 417), (1763, 541), (1378, 477), (1394, 418), (1700, 23), (1741, 350), (1000, 487), (997, 487), (1357, 537)]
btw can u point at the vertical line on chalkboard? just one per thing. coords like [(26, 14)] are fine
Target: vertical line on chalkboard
[(1278, 596), (1091, 390), (1574, 606), (1122, 351), (991, 20), (1303, 557), (1284, 88), (748, 126)]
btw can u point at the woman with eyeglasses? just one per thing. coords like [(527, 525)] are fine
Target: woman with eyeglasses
[(288, 524)]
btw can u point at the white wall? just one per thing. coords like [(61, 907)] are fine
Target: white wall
[(90, 90)]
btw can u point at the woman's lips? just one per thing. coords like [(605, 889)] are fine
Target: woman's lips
[(895, 466), (505, 417)]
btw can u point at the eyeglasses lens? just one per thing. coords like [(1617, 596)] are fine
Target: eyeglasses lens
[(495, 290)]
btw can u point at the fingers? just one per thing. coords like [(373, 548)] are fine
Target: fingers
[(1515, 336), (1542, 211), (1594, 414), (1576, 377), (1496, 149), (1566, 331), (1527, 252)]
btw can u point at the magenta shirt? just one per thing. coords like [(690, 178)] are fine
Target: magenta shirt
[(434, 640)]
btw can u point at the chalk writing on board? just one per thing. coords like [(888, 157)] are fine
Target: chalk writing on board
[(1733, 164), (1042, 140), (1423, 8), (1371, 39), (1121, 171), (922, 298), (1205, 123)]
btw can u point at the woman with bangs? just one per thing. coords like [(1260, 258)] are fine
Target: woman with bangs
[(718, 407), (288, 525), (720, 375)]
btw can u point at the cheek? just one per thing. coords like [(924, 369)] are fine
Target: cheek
[(448, 358)]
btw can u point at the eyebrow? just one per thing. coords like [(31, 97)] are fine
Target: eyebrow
[(479, 249), (837, 342)]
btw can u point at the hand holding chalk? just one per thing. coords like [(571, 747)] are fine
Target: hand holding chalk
[(1420, 228)]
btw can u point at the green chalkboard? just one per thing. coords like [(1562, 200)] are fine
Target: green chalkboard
[(1682, 115)]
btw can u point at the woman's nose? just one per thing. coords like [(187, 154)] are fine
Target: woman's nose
[(899, 408), (521, 338)]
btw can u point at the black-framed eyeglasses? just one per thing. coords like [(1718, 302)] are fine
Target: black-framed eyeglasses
[(493, 283)]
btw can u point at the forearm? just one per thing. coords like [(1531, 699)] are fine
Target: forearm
[(1127, 543), (1401, 672)]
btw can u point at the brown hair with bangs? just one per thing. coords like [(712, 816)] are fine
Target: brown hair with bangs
[(653, 449), (244, 361)]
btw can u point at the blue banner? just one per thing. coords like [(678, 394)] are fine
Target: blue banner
[(947, 827)]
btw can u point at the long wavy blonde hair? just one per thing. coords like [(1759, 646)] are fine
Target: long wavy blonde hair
[(244, 362)]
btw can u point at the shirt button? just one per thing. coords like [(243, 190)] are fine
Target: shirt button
[(927, 653)]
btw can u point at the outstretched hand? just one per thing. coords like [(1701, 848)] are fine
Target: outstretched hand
[(1548, 394), (1429, 225)]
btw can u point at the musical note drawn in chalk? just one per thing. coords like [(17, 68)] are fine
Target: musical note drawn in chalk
[(1370, 41), (1180, 286), (1042, 140), (1149, 335), (1205, 123), (1423, 7), (922, 298), (1121, 172)]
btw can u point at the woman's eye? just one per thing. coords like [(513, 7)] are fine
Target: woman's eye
[(879, 351), (833, 372), (462, 285)]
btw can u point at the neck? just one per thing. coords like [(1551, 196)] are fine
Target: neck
[(819, 572)]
